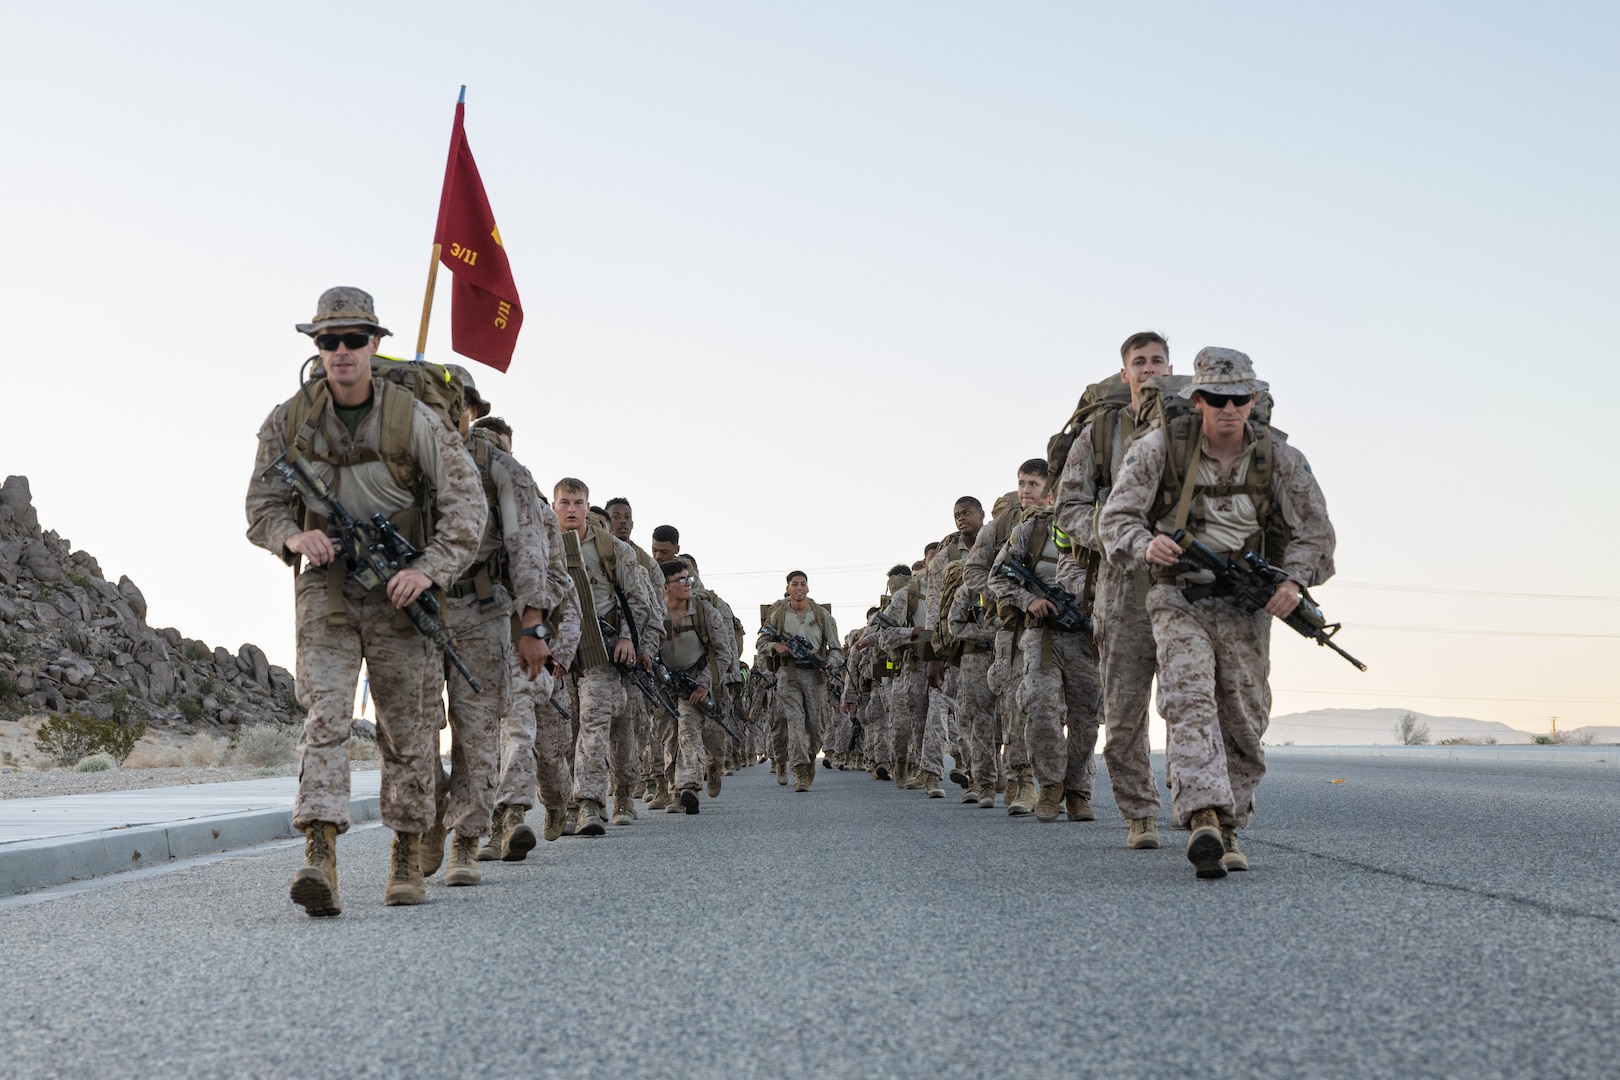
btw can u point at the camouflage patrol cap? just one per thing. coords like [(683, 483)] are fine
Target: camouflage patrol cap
[(1223, 371), (469, 390), (343, 305)]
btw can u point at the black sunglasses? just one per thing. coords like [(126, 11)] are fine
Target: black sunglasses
[(354, 339), (1220, 401)]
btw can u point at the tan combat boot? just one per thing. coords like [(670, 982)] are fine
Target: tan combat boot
[(493, 848), (660, 796), (914, 778), (880, 771), (520, 839), (555, 818), (1144, 834), (930, 784), (689, 800), (463, 866), (589, 820), (960, 776), (781, 772), (624, 810), (970, 797), (1049, 802), (314, 886), (802, 775), (1078, 807), (432, 841), (901, 770), (405, 885), (1233, 859), (1021, 793), (987, 797), (1205, 848), (714, 780)]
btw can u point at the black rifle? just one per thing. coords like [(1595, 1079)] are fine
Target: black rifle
[(372, 552), (798, 645), (882, 619), (1250, 584), (638, 674), (711, 708), (1070, 615)]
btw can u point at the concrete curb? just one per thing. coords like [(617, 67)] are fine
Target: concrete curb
[(42, 864)]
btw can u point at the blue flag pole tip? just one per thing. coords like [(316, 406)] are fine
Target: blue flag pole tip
[(461, 98), (420, 357)]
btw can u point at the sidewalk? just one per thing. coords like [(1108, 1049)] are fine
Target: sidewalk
[(51, 841)]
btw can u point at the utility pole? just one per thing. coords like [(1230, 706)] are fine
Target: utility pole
[(1555, 729)]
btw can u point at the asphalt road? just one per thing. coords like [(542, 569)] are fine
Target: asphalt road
[(1416, 920)]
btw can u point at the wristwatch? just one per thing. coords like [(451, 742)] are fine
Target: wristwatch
[(537, 631)]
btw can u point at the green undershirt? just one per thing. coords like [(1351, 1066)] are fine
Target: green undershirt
[(351, 415)]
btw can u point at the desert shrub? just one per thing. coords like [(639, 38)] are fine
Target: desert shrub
[(265, 745), (1411, 731), (207, 750), (196, 650), (190, 707), (94, 763), (82, 580), (68, 737), (71, 736), (362, 750)]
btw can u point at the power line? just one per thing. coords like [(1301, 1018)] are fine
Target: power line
[(1482, 633), (1465, 592)]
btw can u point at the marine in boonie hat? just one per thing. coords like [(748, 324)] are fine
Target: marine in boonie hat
[(469, 389), (344, 305), (1224, 371)]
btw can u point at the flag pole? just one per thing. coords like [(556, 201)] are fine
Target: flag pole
[(427, 306), (433, 278)]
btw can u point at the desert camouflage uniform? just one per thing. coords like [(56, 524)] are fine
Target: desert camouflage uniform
[(537, 740), (698, 738), (801, 691), (916, 745), (1059, 688), (1125, 651), (521, 525), (1214, 660), (975, 626), (1002, 674), (331, 645), (606, 743)]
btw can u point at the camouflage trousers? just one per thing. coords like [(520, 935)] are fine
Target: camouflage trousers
[(976, 713), (663, 746), (535, 742), (801, 699), (484, 643), (686, 764), (1003, 677), (776, 732), (908, 712), (936, 731), (599, 707), (1214, 661), (398, 665), (1127, 661), (1060, 692), (879, 734)]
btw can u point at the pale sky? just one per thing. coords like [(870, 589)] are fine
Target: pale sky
[(797, 275)]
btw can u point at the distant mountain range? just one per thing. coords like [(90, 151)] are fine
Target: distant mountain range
[(1364, 727)]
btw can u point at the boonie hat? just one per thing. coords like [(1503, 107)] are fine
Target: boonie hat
[(469, 389), (343, 305), (1223, 371)]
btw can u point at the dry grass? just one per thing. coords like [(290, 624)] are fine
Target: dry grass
[(155, 756), (207, 750), (362, 750), (267, 746)]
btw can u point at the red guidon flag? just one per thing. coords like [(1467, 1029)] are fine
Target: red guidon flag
[(484, 311)]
